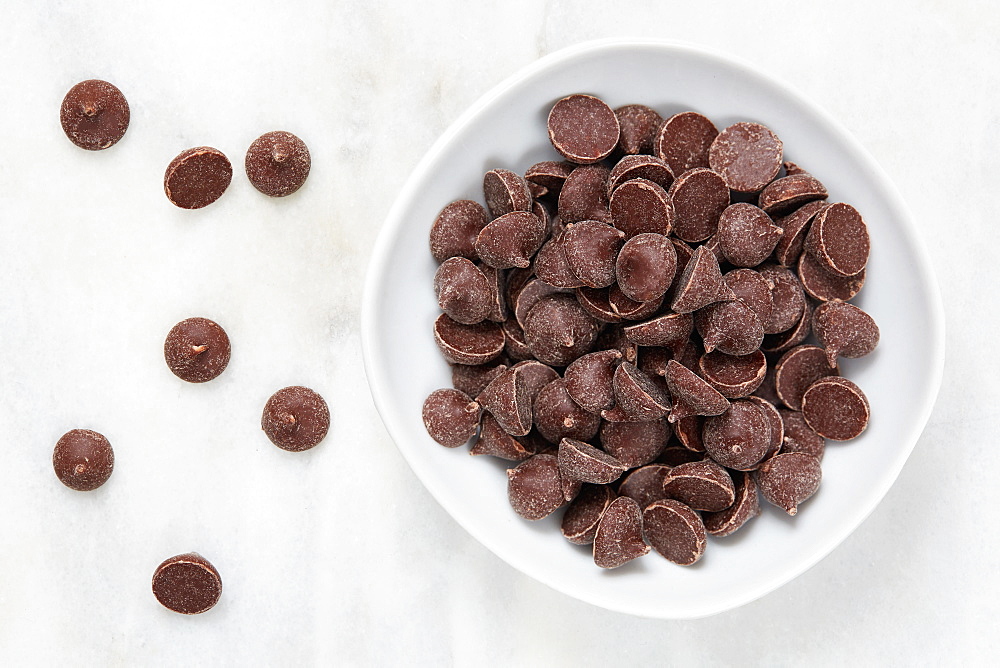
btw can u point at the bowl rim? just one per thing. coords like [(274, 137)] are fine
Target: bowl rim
[(376, 274)]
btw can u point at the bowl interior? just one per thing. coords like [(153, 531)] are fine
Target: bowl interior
[(507, 129)]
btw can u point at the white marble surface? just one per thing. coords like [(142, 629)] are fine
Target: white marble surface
[(338, 555)]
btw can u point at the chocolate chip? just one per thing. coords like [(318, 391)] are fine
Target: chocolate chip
[(684, 140), (508, 398), (824, 286), (629, 309), (699, 197), (505, 192), (691, 394), (787, 480), (775, 423), (740, 437), (701, 486), (510, 240), (639, 125), (549, 174), (277, 163), (747, 155), (734, 376), (197, 177), (688, 431), (640, 167), (746, 234), (838, 240), (635, 443), (645, 267), (730, 326), (450, 416), (753, 290), (637, 395), (455, 230), (558, 330), (597, 303), (462, 291), (187, 584), (777, 343), (640, 205), (552, 266), (514, 343), (584, 195), (582, 461), (94, 114), (799, 436), (619, 534), (788, 298), (788, 193), (468, 344), (83, 459), (675, 531), (795, 226), (700, 284), (297, 418), (535, 488), (745, 507), (557, 416), (645, 485), (494, 441), (836, 408), (579, 523), (845, 331), (675, 453), (588, 380), (671, 329), (797, 369), (529, 295), (535, 376), (197, 350), (591, 249), (583, 129), (496, 281)]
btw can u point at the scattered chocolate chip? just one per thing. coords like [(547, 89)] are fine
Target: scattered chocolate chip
[(584, 195), (494, 441), (94, 114), (277, 163), (779, 343), (505, 192), (675, 531), (297, 418), (468, 344), (549, 174), (582, 461), (824, 286), (557, 416), (450, 416), (187, 584), (197, 350), (629, 309), (83, 459), (640, 167), (583, 129), (197, 177), (637, 395), (700, 284), (836, 408), (558, 330), (753, 290), (591, 249), (731, 327), (671, 329), (786, 480), (795, 226), (619, 534), (639, 206), (691, 394), (508, 399), (788, 298), (579, 523), (552, 266), (644, 485)]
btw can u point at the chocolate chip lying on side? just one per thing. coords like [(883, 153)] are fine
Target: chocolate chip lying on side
[(747, 155), (788, 479), (675, 531), (745, 507), (844, 330), (535, 488), (197, 350), (579, 523), (451, 417), (619, 534), (83, 459), (583, 462), (838, 240), (277, 163), (740, 437), (797, 369), (700, 486), (645, 484), (187, 583), (297, 418), (197, 177), (455, 230), (836, 408), (94, 114), (583, 128)]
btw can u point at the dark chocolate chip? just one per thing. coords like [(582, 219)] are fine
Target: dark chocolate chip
[(468, 344), (450, 416), (788, 479), (699, 197), (197, 177), (739, 438), (836, 408), (700, 485), (640, 205), (701, 283), (558, 330), (557, 416), (844, 330), (645, 485), (511, 240), (799, 436), (734, 376), (684, 140), (619, 534), (588, 380), (753, 290), (838, 240), (788, 193), (94, 114), (635, 443), (637, 395), (297, 418), (746, 234), (505, 191), (579, 523), (640, 167), (535, 488), (824, 286), (675, 531), (508, 398), (747, 155), (584, 195), (646, 266), (187, 584), (591, 249), (671, 329), (639, 125), (795, 226), (788, 298), (731, 327), (745, 507), (691, 394), (797, 369), (494, 441), (277, 163), (197, 350), (455, 230), (582, 461), (462, 291), (83, 459), (583, 129)]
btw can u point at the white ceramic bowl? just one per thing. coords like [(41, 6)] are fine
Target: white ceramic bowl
[(506, 128)]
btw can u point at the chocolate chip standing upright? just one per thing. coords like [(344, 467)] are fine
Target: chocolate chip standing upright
[(187, 583), (277, 163), (83, 459), (197, 350), (296, 418), (197, 177), (94, 115)]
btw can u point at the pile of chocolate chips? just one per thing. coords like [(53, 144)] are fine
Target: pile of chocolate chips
[(632, 325)]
